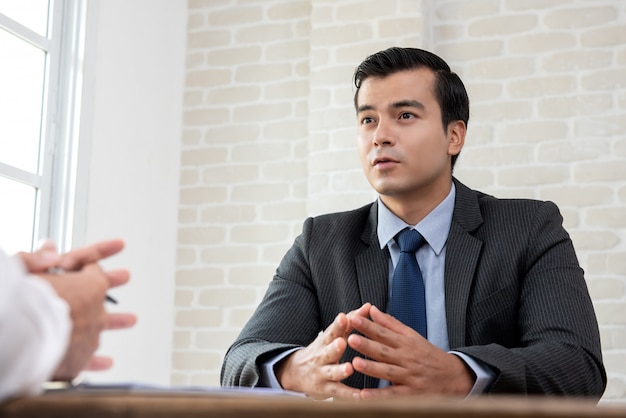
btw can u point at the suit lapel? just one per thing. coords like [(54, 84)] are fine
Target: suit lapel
[(462, 254), (372, 265), (372, 269)]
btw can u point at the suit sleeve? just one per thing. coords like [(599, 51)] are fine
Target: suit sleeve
[(288, 313), (34, 330), (557, 351)]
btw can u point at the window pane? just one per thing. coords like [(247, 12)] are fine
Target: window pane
[(21, 95), (31, 13), (17, 214)]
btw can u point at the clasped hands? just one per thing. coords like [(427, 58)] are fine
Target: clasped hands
[(83, 285), (391, 351)]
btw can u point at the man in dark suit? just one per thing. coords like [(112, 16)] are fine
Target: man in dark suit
[(507, 308)]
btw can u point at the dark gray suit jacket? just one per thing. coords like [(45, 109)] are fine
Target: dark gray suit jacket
[(516, 297)]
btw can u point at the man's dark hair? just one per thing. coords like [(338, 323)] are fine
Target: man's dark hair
[(449, 89)]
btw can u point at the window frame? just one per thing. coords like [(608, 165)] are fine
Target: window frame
[(55, 181)]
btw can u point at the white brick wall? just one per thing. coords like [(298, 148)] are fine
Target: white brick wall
[(270, 139)]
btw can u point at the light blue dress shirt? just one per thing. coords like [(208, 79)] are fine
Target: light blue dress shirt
[(431, 258)]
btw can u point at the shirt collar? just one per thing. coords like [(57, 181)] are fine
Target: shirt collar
[(434, 227)]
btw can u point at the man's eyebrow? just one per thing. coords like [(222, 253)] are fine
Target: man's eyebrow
[(364, 108), (408, 103), (395, 105)]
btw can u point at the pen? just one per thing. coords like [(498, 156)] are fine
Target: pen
[(56, 270)]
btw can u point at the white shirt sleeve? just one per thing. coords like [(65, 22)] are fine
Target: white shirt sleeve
[(35, 327)]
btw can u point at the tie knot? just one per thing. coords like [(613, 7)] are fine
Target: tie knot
[(409, 240)]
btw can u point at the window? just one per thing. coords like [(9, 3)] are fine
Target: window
[(40, 52)]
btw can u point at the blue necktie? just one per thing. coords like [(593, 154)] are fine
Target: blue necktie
[(408, 301)]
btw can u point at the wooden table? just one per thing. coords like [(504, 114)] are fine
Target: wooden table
[(103, 404)]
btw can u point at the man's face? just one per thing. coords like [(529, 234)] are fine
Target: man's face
[(404, 149)]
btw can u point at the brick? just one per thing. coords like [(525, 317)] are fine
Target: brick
[(580, 17), (576, 60), (542, 86), (607, 288), (215, 340), (235, 16), (447, 32), (260, 33), (613, 217), (260, 192), (182, 340), (259, 233), (605, 80), (606, 36), (228, 254), (516, 5), (502, 25), (622, 194), (200, 157), (201, 235), (600, 171), (206, 379), (594, 240), (251, 275), (191, 137), (200, 277), (209, 38), (533, 131), (228, 213), (192, 98), (183, 298), (331, 161), (583, 105), (205, 4), (192, 360), (230, 174), (189, 177), (185, 256), (277, 171), (498, 156), (570, 151), (202, 195), (539, 175), (396, 27), (232, 134), (234, 56), (260, 152), (194, 21), (290, 130), (484, 92), (198, 318), (230, 297), (502, 111), (600, 126), (463, 10), (290, 10), (284, 211), (239, 316), (194, 60), (187, 215), (473, 50), (289, 89), (348, 33), (205, 117), (288, 50), (262, 73), (611, 312), (541, 42), (580, 196)]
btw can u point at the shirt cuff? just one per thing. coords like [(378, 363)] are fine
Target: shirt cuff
[(484, 375), (268, 376)]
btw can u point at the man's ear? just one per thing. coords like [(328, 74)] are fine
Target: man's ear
[(456, 136)]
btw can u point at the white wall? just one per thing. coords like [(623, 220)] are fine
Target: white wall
[(128, 178)]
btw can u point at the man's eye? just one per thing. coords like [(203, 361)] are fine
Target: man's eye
[(366, 120), (406, 115)]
